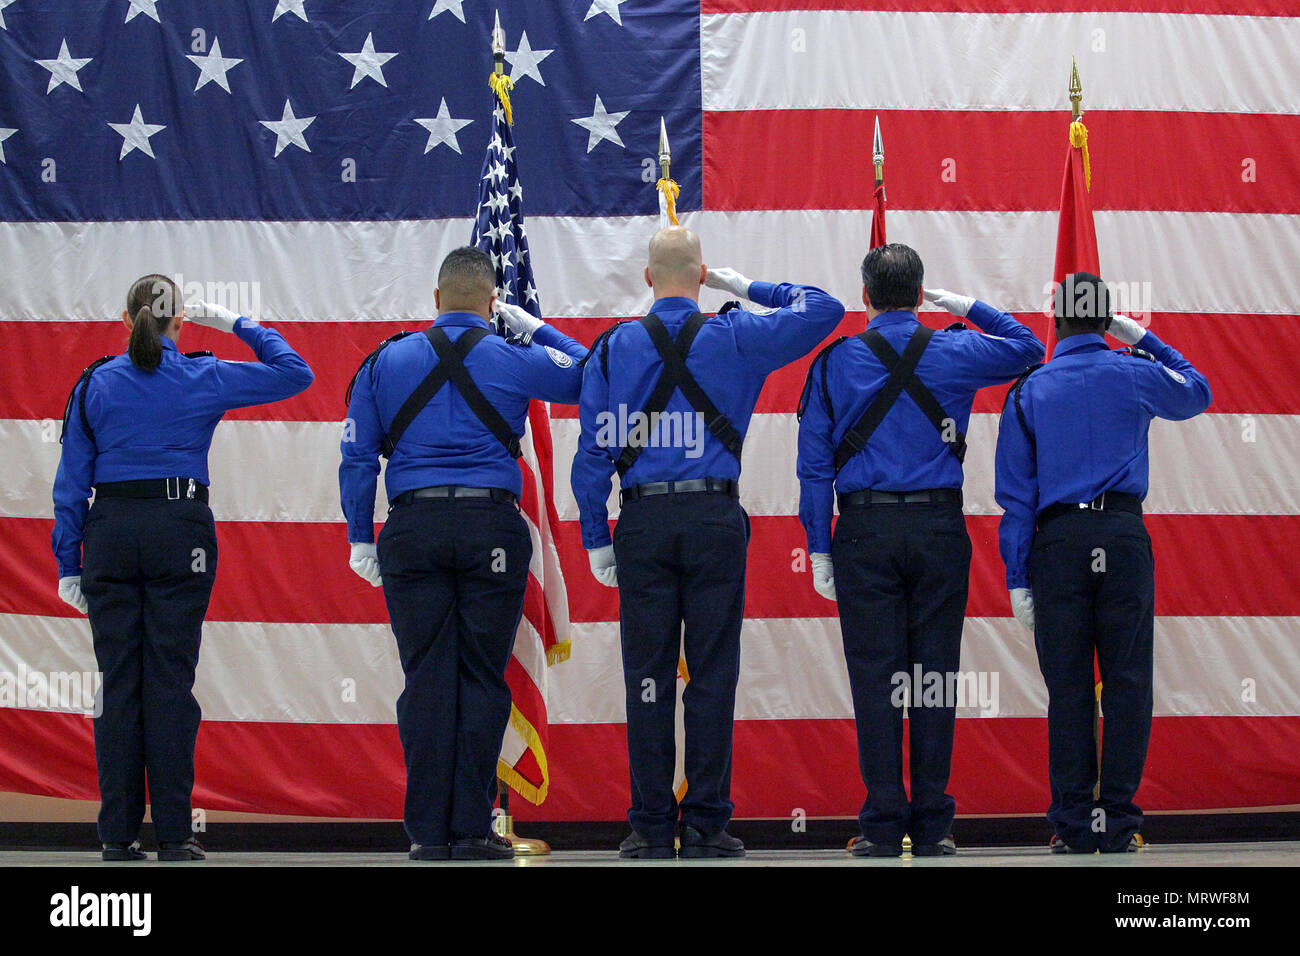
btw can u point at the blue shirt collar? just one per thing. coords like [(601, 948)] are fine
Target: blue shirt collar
[(461, 319), (674, 303), (167, 343), (1079, 343), (892, 317)]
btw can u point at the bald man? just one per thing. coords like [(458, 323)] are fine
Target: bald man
[(446, 407), (666, 401)]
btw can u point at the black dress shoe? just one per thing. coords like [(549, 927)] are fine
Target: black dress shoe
[(864, 847), (1131, 845), (1058, 845), (190, 849), (697, 845), (637, 847), (120, 852), (430, 851), (490, 847), (945, 847)]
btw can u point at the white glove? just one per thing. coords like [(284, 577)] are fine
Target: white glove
[(213, 316), (954, 303), (518, 320), (70, 593), (1126, 330), (365, 561), (729, 280), (602, 565), (1022, 606), (823, 576)]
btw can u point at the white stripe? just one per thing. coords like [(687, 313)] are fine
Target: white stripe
[(287, 471), (884, 60), (790, 668), (308, 271)]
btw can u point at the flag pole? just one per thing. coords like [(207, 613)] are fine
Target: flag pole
[(668, 190), (503, 822), (878, 198)]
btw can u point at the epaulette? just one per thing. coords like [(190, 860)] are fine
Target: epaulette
[(197, 354), (602, 344), (1137, 353), (807, 383), (729, 306), (369, 362), (84, 377)]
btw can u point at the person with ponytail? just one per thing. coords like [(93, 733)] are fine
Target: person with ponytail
[(141, 560)]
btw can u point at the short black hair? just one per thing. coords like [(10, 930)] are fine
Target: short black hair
[(1082, 301), (892, 276), (466, 268)]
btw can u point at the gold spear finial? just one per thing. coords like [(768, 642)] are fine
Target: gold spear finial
[(498, 46), (1076, 90), (665, 154)]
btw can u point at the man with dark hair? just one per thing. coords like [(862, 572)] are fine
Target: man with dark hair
[(447, 409), (1071, 474), (678, 552), (882, 422)]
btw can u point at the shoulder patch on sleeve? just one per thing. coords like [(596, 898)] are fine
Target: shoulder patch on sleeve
[(1178, 377), (1137, 353), (561, 359)]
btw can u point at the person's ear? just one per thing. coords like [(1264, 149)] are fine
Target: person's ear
[(177, 322), (866, 299), (920, 299), (647, 278), (704, 273), (126, 319), (492, 304), (437, 299)]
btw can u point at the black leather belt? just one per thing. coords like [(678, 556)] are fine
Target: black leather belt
[(1106, 501), (717, 486), (870, 496), (453, 491), (173, 489)]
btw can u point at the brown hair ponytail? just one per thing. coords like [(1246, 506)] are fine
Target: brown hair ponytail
[(153, 301)]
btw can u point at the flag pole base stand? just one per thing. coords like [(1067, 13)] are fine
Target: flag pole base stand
[(504, 824), (907, 844)]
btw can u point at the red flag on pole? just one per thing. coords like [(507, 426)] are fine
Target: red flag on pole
[(878, 213), (1076, 239)]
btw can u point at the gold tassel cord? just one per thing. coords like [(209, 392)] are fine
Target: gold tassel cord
[(501, 86), (1079, 140), (671, 191)]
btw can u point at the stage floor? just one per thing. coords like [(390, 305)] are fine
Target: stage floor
[(1198, 854)]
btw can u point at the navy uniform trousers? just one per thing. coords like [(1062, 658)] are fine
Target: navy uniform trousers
[(901, 577), (148, 570), (455, 571), (1092, 574), (681, 560)]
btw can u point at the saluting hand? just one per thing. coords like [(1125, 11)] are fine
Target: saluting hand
[(1126, 330), (952, 301), (603, 567), (213, 316), (1022, 606), (518, 320), (729, 280), (70, 593), (824, 576), (365, 562)]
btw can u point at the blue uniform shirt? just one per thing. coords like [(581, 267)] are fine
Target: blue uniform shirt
[(1089, 410), (159, 424), (446, 444), (731, 357), (906, 452)]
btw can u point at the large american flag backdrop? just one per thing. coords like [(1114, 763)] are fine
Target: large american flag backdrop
[(326, 155)]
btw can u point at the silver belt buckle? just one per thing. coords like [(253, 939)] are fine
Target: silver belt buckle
[(189, 493), (170, 496), (1098, 503)]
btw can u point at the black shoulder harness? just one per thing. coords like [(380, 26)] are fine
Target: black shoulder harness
[(1013, 394), (824, 357), (957, 327), (197, 354), (602, 345), (1137, 353), (369, 362), (83, 382)]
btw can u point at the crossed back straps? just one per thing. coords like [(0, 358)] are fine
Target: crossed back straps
[(451, 368), (677, 376), (902, 378)]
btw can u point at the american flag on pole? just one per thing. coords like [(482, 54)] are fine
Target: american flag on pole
[(542, 637), (325, 154)]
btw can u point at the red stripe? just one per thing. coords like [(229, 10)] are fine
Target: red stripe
[(254, 583), (1245, 377), (1002, 160), (1245, 8), (999, 766)]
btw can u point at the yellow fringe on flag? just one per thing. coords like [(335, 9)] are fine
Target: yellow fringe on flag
[(511, 777), (1079, 140), (671, 191), (501, 86), (557, 652)]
